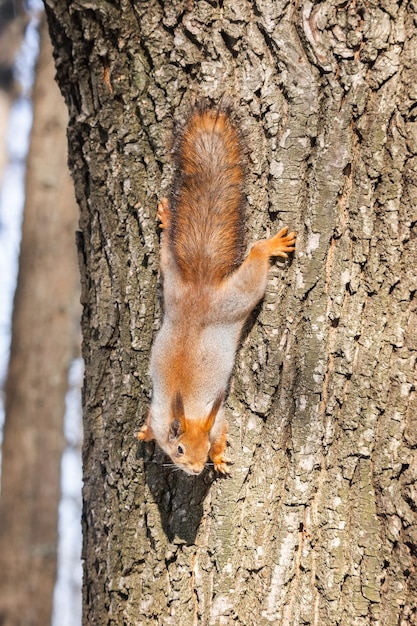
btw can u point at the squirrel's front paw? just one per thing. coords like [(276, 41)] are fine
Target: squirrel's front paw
[(145, 433), (221, 464)]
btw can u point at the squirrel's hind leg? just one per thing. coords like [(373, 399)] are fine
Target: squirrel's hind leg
[(240, 292), (164, 213), (168, 264), (278, 245)]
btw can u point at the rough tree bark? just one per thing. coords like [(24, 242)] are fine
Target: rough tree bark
[(45, 336), (318, 522)]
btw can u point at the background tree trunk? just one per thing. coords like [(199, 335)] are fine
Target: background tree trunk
[(13, 21), (318, 523), (44, 340)]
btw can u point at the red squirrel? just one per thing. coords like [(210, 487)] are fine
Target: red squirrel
[(208, 292)]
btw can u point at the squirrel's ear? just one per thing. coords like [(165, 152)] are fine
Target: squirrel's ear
[(177, 426), (174, 430), (214, 410)]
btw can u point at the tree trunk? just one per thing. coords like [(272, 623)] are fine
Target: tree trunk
[(317, 524), (13, 21), (44, 340)]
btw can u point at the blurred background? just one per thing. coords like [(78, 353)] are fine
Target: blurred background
[(40, 365)]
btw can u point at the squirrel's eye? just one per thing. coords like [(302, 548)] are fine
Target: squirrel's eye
[(180, 450)]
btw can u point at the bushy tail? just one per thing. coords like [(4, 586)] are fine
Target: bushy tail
[(207, 226)]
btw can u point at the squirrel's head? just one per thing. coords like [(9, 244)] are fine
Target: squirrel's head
[(188, 442)]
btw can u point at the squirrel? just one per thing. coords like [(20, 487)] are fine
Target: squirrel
[(208, 289)]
